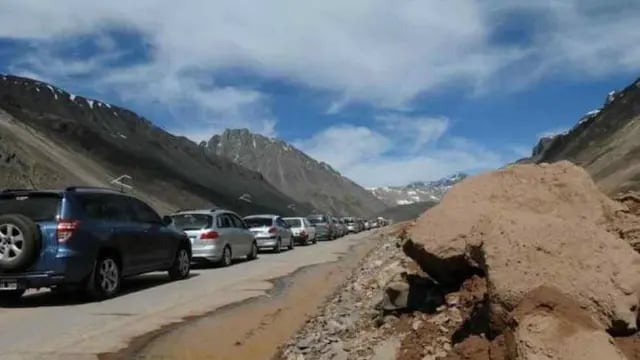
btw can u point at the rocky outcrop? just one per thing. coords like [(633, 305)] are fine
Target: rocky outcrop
[(548, 325), (51, 138), (528, 226), (295, 173), (416, 192)]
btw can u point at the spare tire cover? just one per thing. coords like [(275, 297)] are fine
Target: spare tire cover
[(19, 242)]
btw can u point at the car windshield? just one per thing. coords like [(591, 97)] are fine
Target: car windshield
[(317, 219), (192, 221), (294, 222), (37, 207), (258, 222)]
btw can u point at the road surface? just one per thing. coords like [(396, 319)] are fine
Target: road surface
[(46, 325)]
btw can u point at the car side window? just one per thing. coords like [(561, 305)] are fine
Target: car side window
[(237, 222), (143, 212), (105, 207), (224, 222), (281, 223)]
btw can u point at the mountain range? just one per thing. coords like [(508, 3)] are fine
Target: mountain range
[(294, 173), (416, 192), (604, 141), (50, 138)]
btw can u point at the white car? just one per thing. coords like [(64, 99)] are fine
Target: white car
[(271, 232), (303, 231)]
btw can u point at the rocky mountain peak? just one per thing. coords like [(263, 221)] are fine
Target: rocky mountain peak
[(416, 192)]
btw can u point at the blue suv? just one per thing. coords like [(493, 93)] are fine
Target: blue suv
[(82, 237)]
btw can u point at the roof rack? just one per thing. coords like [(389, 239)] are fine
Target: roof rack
[(89, 188)]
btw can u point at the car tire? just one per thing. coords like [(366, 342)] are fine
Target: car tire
[(292, 244), (315, 240), (19, 242), (105, 279), (254, 252), (181, 265), (278, 248), (227, 257)]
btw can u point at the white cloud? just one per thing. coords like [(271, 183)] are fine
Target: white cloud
[(379, 52), (380, 157), (418, 130)]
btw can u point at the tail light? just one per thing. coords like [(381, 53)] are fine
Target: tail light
[(209, 235), (272, 230), (66, 229), (303, 233)]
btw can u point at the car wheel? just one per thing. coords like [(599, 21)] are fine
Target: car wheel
[(291, 243), (227, 257), (254, 252), (104, 281), (278, 248), (315, 240), (181, 265), (19, 242)]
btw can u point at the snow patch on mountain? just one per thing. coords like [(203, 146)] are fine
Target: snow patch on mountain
[(415, 192)]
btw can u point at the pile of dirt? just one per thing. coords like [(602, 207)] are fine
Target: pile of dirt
[(555, 253)]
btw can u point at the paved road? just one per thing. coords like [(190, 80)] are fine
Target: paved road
[(47, 325)]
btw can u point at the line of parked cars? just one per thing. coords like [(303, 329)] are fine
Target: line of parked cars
[(89, 239)]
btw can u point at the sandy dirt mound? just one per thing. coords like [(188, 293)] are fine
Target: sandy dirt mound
[(528, 226), (547, 325)]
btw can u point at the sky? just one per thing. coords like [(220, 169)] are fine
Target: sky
[(387, 92)]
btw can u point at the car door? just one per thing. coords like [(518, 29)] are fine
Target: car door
[(226, 232), (157, 240), (242, 235), (284, 229), (310, 229)]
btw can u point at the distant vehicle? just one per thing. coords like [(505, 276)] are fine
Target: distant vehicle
[(341, 227), (83, 238), (353, 225), (367, 225), (216, 235), (325, 228), (271, 232), (303, 231)]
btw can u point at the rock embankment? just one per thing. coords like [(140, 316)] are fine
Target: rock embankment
[(527, 262)]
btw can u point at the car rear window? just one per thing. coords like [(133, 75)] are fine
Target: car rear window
[(192, 221), (316, 219), (258, 222), (37, 207), (293, 222)]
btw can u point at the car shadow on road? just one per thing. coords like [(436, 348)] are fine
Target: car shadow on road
[(69, 297)]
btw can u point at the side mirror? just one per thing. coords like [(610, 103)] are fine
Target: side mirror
[(167, 220)]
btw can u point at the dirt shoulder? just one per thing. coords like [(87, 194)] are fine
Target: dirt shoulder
[(256, 328)]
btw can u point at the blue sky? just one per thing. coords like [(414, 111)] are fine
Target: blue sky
[(387, 92)]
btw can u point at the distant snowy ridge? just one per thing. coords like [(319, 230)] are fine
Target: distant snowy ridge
[(415, 192)]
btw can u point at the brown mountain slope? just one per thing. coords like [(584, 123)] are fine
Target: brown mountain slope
[(50, 138), (606, 142), (295, 173)]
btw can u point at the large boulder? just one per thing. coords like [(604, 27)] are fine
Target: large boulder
[(527, 226), (547, 325)]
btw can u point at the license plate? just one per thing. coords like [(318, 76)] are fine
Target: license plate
[(8, 285)]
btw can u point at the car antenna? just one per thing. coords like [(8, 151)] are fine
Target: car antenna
[(118, 181)]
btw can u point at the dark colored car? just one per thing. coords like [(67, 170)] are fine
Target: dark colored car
[(86, 238)]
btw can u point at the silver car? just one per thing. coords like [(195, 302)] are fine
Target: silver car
[(217, 236), (303, 231), (271, 232)]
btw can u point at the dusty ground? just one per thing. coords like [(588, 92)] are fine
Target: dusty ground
[(48, 326)]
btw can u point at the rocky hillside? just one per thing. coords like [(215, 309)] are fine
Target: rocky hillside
[(407, 211), (295, 173), (51, 138), (604, 141), (421, 191)]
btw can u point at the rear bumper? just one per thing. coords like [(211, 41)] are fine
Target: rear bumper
[(208, 253), (34, 279), (264, 243)]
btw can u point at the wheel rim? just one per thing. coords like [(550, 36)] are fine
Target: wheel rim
[(108, 275), (183, 262), (11, 242)]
